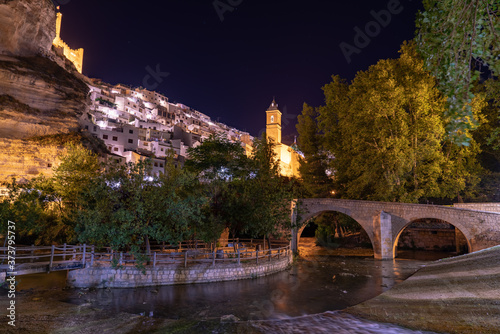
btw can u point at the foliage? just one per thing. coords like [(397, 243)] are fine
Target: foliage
[(458, 39), (386, 131), (245, 194), (45, 208), (126, 207), (314, 165), (222, 165), (270, 193), (333, 227), (29, 209)]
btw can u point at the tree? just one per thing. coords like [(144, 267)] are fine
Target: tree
[(125, 207), (458, 39), (45, 207), (270, 193), (245, 195), (314, 165), (222, 165), (386, 131), (487, 136)]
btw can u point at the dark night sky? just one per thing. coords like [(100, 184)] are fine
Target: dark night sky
[(231, 69)]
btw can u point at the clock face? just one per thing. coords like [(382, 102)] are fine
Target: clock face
[(272, 119)]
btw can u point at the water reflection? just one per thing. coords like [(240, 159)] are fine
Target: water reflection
[(315, 284)]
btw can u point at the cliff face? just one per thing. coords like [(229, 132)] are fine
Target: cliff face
[(37, 96), (28, 27)]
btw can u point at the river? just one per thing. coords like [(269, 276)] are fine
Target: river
[(316, 283)]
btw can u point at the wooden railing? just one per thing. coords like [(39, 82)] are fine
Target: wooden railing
[(89, 256)]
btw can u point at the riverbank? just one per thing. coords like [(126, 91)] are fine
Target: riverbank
[(455, 295)]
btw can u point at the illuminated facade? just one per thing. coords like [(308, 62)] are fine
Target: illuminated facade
[(288, 157), (75, 56)]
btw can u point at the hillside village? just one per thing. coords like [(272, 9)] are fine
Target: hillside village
[(138, 123)]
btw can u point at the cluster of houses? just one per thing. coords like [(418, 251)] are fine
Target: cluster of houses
[(136, 123)]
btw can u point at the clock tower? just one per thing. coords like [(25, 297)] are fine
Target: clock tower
[(273, 123)]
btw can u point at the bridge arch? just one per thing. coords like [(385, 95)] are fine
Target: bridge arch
[(402, 230), (307, 219), (384, 221)]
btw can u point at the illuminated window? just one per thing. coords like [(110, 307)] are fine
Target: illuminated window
[(272, 119)]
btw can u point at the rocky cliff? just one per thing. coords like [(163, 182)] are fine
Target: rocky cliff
[(38, 97), (28, 27)]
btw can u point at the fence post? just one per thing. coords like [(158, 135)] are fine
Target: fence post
[(257, 256), (64, 252), (154, 260), (270, 254), (185, 259), (238, 255), (51, 257), (32, 253), (92, 256), (121, 258), (83, 255), (213, 257)]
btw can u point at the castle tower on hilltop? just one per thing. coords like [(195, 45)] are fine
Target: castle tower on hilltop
[(75, 56), (286, 155)]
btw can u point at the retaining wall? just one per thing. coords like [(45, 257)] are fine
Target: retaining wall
[(131, 277)]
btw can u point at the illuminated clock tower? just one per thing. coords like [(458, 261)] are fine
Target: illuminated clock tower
[(273, 124)]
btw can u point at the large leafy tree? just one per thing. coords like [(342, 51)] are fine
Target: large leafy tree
[(459, 39), (245, 194), (314, 165), (45, 207), (271, 194), (125, 207), (222, 166), (487, 136), (386, 131)]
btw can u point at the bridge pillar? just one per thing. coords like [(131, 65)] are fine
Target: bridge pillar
[(382, 236)]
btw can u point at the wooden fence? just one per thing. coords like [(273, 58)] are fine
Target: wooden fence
[(69, 256)]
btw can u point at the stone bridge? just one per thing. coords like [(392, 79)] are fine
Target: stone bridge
[(384, 222)]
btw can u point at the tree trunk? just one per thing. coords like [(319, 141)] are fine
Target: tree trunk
[(148, 247)]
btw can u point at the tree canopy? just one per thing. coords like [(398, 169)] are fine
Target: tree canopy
[(459, 39), (386, 133)]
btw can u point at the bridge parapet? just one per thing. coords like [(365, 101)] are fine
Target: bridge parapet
[(487, 207)]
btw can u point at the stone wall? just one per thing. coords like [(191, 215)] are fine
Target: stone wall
[(131, 277), (448, 240), (489, 207)]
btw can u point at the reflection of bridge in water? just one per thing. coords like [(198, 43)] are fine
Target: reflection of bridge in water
[(384, 222)]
